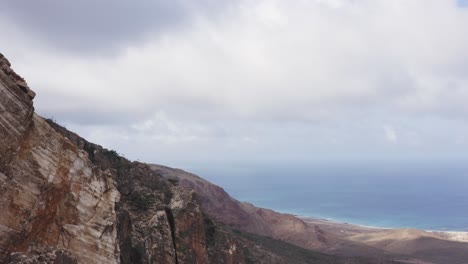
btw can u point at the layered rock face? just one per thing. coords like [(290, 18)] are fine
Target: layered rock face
[(376, 245), (51, 194), (65, 200), (16, 110), (160, 222), (244, 216)]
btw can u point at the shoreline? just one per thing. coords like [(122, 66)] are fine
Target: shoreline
[(340, 222), (350, 229)]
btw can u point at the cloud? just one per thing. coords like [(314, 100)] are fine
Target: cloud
[(178, 73), (100, 27), (273, 60), (390, 134)]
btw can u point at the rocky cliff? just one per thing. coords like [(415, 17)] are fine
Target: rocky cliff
[(52, 196), (244, 216), (405, 245), (65, 200)]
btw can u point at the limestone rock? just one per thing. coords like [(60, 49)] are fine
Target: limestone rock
[(51, 193), (12, 76), (64, 200)]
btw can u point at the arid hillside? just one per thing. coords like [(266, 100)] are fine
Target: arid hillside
[(415, 246), (65, 200)]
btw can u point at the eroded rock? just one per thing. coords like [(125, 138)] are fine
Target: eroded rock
[(64, 200), (47, 256)]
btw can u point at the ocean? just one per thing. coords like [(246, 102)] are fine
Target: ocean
[(424, 195)]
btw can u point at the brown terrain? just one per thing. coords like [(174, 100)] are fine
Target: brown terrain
[(65, 200), (405, 245)]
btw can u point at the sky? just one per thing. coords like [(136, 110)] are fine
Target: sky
[(195, 83)]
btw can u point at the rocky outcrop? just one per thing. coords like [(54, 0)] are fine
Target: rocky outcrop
[(247, 217), (160, 222), (50, 193), (65, 200), (16, 110), (376, 245), (5, 66)]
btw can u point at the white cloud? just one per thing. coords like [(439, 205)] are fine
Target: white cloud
[(277, 58), (390, 134), (265, 66)]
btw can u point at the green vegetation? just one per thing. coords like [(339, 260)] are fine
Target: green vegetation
[(167, 195), (51, 120), (142, 201), (174, 181), (111, 154)]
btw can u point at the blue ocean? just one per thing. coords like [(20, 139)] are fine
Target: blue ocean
[(424, 195)]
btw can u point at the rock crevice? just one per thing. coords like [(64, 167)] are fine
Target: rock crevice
[(170, 220)]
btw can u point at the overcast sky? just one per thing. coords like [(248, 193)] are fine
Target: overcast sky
[(192, 83)]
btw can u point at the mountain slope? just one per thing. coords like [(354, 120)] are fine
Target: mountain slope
[(264, 222), (65, 200), (328, 237), (222, 207)]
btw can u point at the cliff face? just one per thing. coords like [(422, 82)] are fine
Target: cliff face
[(66, 200), (293, 239), (244, 216), (375, 245), (51, 194), (16, 110)]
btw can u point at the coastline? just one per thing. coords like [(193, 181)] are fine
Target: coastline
[(351, 230), (338, 222)]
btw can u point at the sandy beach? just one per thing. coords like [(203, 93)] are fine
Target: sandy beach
[(355, 231)]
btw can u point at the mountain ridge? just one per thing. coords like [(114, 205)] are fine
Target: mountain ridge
[(66, 200), (343, 239)]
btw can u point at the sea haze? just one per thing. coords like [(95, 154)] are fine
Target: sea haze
[(424, 195)]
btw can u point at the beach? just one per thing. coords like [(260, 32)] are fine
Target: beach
[(355, 232)]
